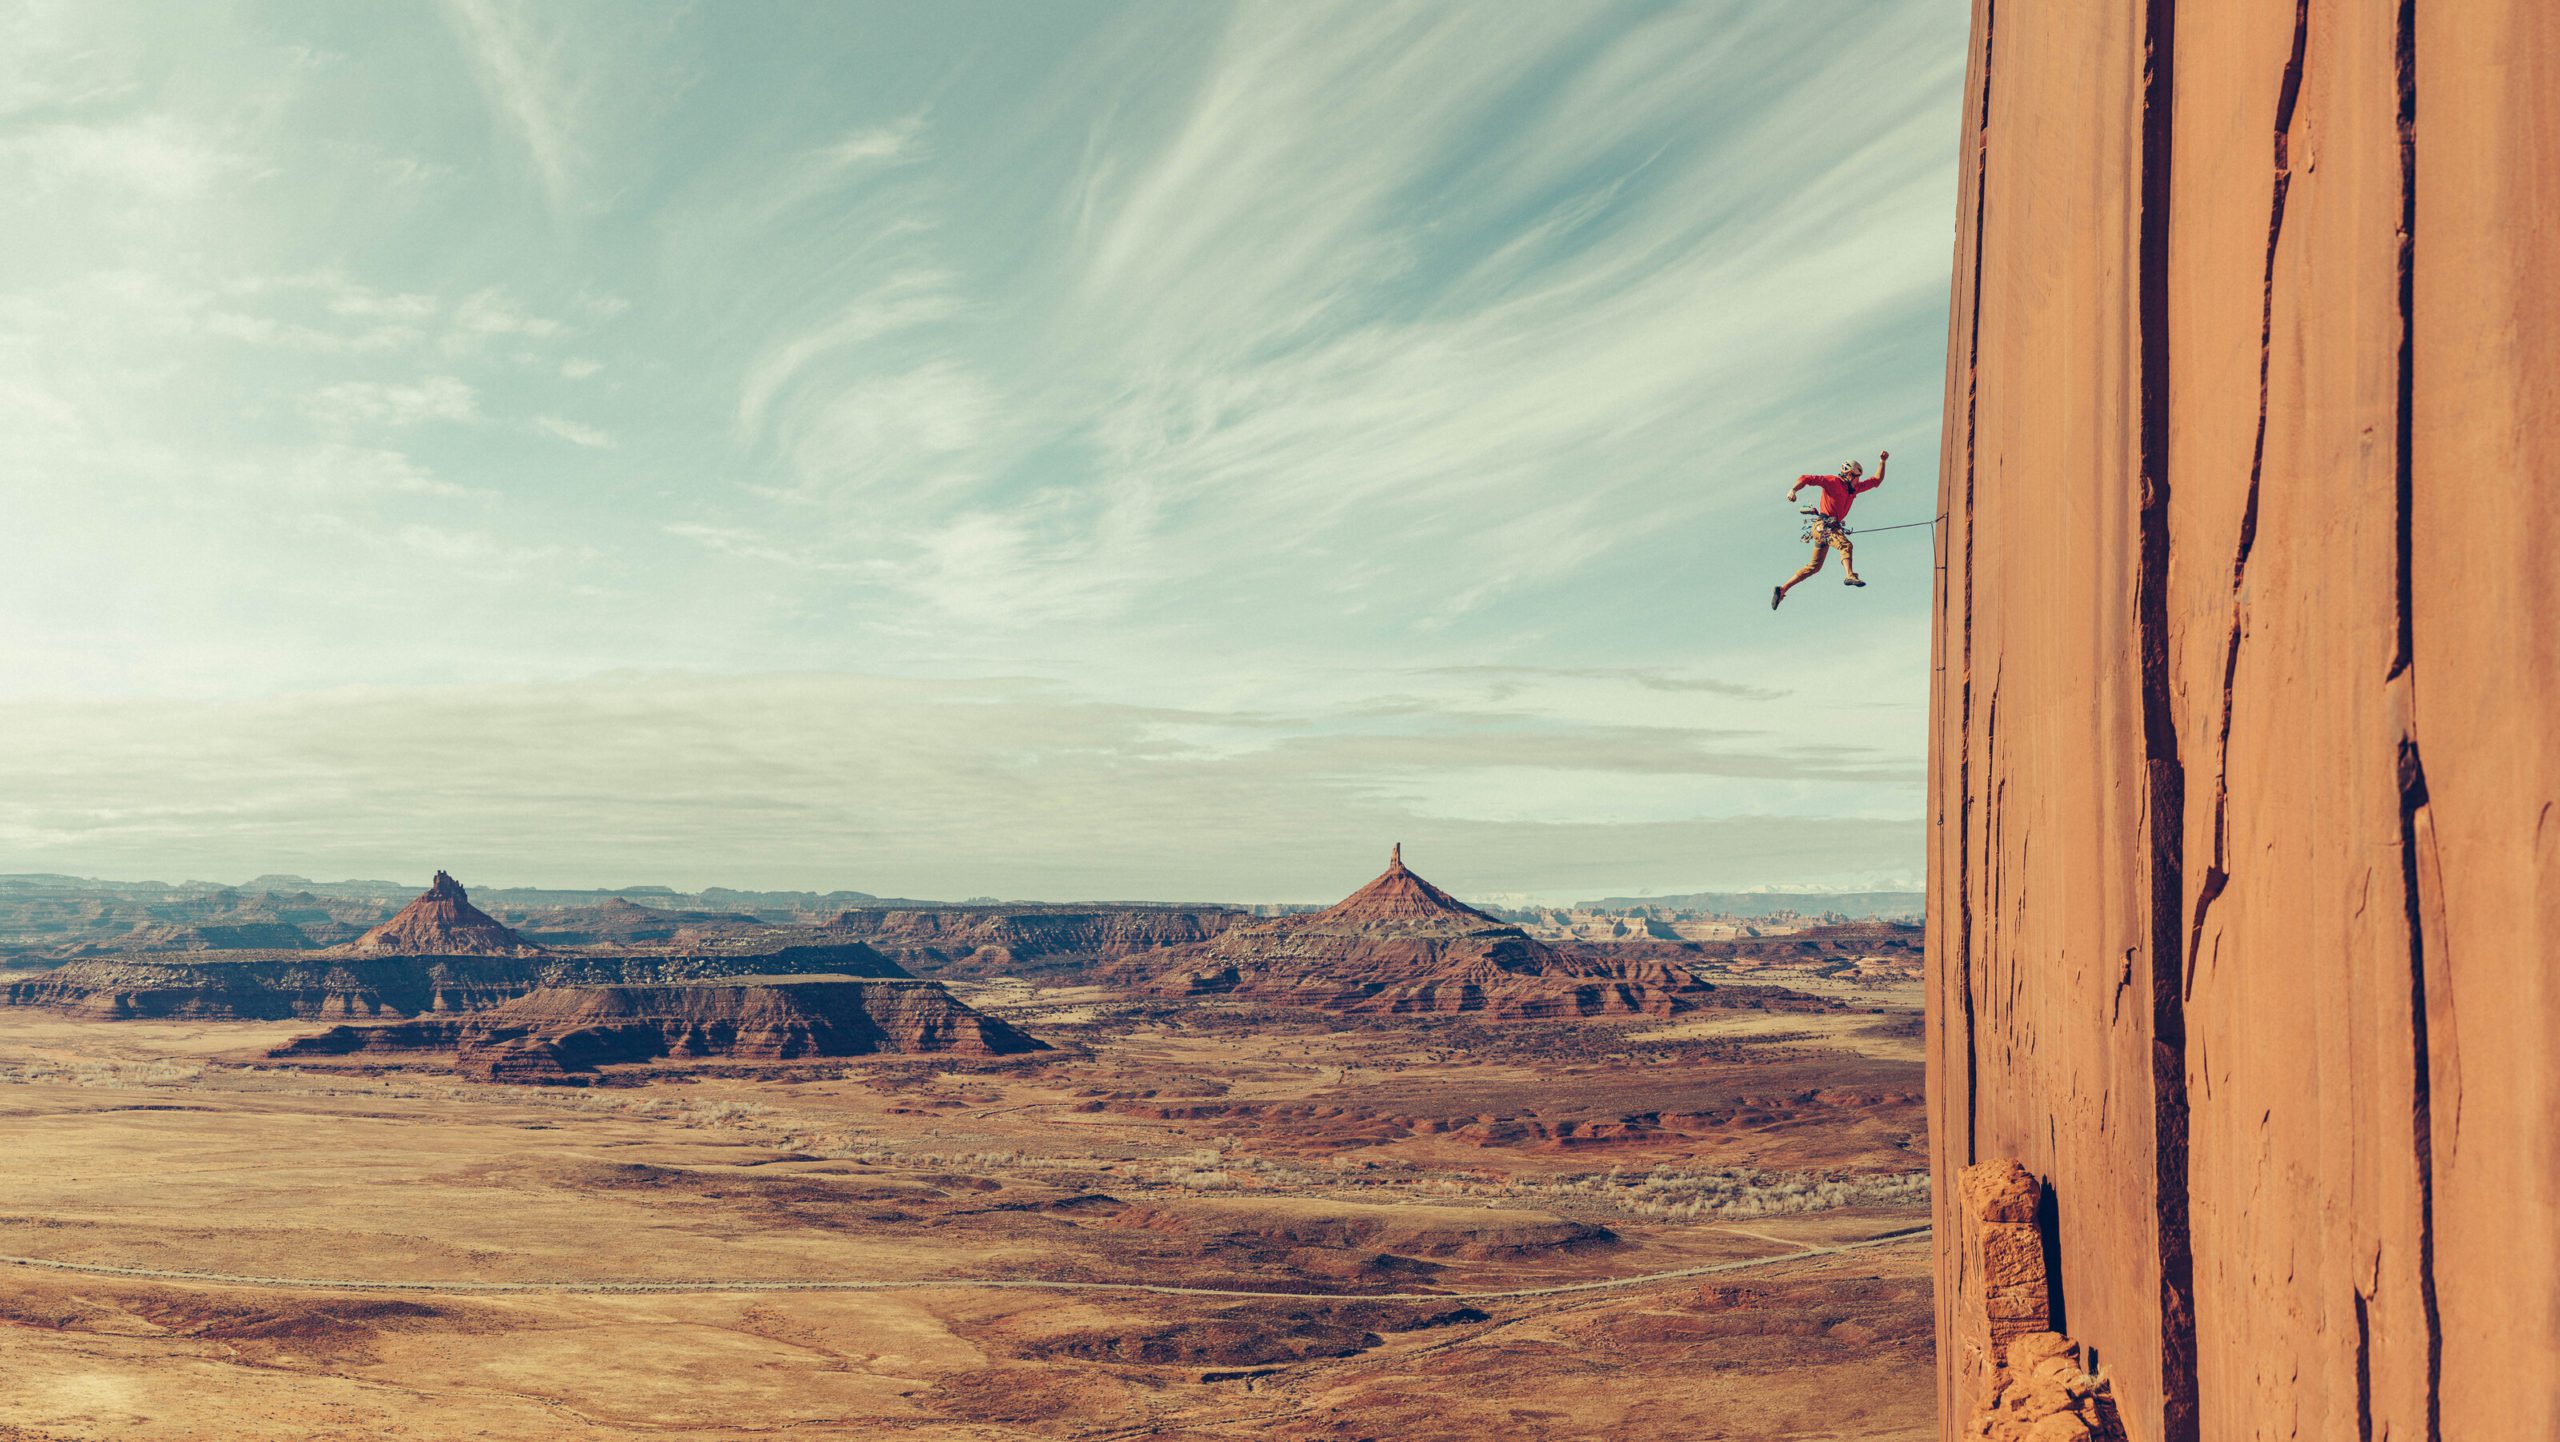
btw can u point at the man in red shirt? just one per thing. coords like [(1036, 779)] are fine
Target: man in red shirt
[(1822, 524)]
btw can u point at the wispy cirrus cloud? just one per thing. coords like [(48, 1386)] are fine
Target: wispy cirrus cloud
[(1388, 401), (1313, 306), (902, 439), (335, 470), (751, 545), (529, 92), (488, 313), (575, 433), (348, 404), (153, 157), (1489, 355), (1508, 678), (897, 303)]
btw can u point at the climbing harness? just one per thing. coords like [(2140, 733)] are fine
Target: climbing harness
[(1814, 527), (1825, 530)]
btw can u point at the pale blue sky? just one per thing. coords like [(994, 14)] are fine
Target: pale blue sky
[(1060, 449)]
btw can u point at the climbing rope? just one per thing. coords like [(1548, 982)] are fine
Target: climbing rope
[(1907, 525)]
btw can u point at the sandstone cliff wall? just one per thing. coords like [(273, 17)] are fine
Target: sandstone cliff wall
[(2245, 893)]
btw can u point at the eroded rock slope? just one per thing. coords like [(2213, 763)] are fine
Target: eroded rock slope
[(1402, 945), (556, 1032)]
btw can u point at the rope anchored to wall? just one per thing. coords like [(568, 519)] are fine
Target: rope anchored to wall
[(1907, 525)]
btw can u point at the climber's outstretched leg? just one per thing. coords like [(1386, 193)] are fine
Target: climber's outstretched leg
[(1821, 549)]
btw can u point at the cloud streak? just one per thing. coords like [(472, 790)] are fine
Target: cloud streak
[(877, 783), (349, 404), (575, 433), (516, 71), (1334, 417)]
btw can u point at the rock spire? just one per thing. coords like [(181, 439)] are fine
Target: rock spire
[(442, 922)]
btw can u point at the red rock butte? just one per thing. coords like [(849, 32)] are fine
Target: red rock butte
[(559, 1033), (441, 922), (1402, 945), (1398, 899), (2245, 753)]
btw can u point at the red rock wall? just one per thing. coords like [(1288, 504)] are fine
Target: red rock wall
[(2245, 893)]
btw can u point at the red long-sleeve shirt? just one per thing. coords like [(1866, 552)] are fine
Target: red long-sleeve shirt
[(1839, 493)]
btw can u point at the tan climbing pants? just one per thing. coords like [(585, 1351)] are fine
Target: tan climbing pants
[(1825, 534)]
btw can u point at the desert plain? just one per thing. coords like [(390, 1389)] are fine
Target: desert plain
[(1185, 1217)]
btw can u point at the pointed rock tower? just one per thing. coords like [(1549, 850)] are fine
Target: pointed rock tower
[(442, 922), (1401, 944), (1401, 901)]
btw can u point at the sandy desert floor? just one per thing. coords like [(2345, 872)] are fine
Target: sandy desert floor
[(1191, 1221)]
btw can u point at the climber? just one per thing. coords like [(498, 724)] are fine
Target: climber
[(1822, 524)]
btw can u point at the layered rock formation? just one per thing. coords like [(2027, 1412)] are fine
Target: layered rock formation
[(2002, 1236), (1563, 924), (1401, 944), (2045, 1392), (1779, 907), (214, 936), (441, 922), (272, 986), (559, 1032), (1888, 942), (49, 919), (995, 940), (2032, 1383), (617, 921), (2245, 879)]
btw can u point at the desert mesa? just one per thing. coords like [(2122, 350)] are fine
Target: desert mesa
[(1085, 1161)]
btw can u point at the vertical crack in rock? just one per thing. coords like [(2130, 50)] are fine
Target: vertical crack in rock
[(2414, 824), (2405, 67), (2164, 773), (2413, 805), (1964, 753), (1998, 978), (2217, 873), (2364, 1369)]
